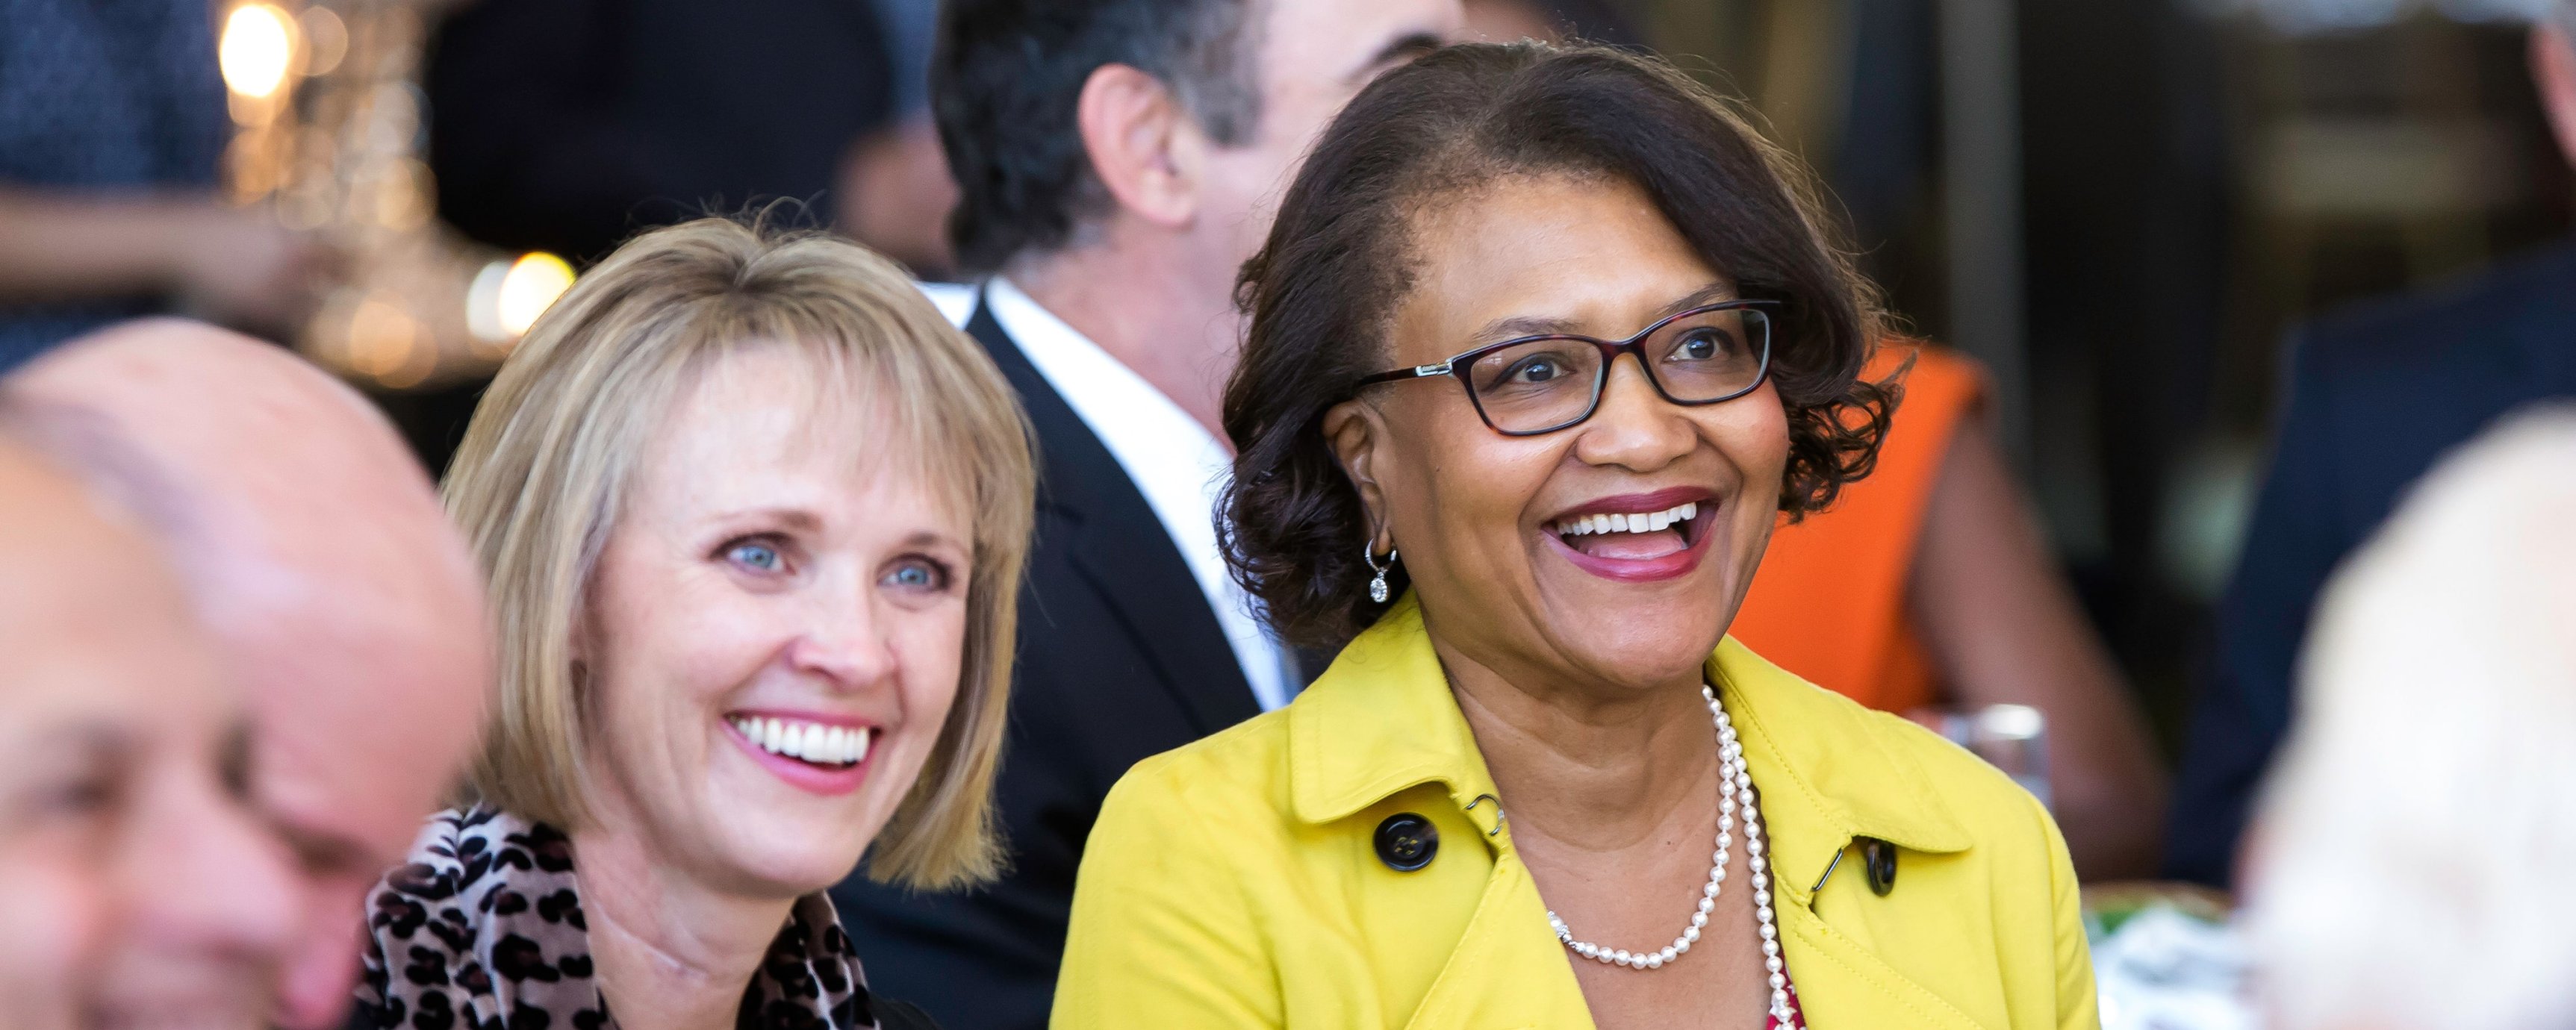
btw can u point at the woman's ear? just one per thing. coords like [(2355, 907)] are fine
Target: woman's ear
[(1354, 430)]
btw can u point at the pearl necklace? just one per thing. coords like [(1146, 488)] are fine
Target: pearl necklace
[(1734, 788)]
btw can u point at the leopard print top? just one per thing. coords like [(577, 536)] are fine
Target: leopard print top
[(483, 930)]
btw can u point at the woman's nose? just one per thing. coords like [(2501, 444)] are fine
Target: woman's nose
[(1634, 427), (843, 640)]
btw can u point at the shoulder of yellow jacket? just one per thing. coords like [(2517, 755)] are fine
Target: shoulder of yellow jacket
[(1242, 768), (1989, 803)]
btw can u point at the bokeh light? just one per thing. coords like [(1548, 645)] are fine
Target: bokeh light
[(531, 286), (257, 49)]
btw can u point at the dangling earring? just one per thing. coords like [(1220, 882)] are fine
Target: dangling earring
[(1377, 586)]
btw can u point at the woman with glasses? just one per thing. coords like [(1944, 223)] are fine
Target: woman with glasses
[(1543, 343)]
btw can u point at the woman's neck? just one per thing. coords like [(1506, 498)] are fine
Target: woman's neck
[(672, 953), (1575, 762)]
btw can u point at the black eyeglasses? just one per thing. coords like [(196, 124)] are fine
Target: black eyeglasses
[(1540, 384)]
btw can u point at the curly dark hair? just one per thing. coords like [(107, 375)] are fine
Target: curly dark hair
[(1324, 288)]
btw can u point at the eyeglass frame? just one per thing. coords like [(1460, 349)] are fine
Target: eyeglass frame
[(1610, 351)]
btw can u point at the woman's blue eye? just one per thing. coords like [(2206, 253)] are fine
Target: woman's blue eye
[(918, 576), (758, 556)]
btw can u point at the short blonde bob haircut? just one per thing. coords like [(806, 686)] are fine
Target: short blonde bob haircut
[(539, 481)]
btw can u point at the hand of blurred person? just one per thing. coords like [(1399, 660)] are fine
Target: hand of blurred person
[(239, 267), (233, 265)]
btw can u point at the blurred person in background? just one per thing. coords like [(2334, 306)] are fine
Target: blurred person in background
[(2375, 395), (341, 600), (136, 887), (1495, 808), (754, 515), (894, 192), (1949, 598), (2406, 865), (569, 125), (1118, 160), (112, 128)]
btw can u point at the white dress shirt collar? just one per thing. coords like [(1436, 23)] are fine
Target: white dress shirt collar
[(1172, 458)]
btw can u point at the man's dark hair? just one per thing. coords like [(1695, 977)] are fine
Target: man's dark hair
[(1342, 255), (1005, 82)]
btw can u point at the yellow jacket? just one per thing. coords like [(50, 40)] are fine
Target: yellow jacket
[(1236, 883)]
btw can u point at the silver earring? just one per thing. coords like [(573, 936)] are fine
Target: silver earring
[(1377, 586)]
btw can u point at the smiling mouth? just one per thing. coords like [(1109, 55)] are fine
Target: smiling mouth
[(1631, 537), (816, 744)]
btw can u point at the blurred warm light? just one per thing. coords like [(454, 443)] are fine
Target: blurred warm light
[(328, 38), (529, 288), (257, 49), (382, 338)]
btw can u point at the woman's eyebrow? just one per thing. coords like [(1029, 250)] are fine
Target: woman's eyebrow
[(1537, 325), (1712, 293), (792, 518)]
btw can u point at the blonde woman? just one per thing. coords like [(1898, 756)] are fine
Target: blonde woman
[(753, 515)]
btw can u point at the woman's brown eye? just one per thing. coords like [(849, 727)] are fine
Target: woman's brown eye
[(1700, 347)]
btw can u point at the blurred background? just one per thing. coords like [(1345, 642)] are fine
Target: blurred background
[(2119, 206)]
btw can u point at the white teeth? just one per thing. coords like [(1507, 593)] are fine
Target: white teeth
[(814, 742), (1639, 522)]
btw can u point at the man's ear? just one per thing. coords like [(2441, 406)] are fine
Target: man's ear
[(1142, 142), (1354, 429), (2553, 69)]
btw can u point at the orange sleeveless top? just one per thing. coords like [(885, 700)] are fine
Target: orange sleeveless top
[(1829, 600)]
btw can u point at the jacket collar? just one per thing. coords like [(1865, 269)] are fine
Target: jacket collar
[(1382, 719)]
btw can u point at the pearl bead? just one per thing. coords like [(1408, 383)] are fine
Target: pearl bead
[(1735, 787)]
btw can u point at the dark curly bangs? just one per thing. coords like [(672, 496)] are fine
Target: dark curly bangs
[(1323, 290)]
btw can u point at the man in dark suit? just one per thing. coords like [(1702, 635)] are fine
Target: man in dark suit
[(1117, 161), (2375, 396)]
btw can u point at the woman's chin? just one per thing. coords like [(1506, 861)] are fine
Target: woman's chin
[(790, 841), (811, 865)]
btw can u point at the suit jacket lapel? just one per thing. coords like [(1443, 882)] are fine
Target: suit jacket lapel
[(1121, 548)]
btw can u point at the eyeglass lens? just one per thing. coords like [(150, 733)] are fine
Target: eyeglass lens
[(1549, 382)]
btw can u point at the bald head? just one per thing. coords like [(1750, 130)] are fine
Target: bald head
[(314, 549), (161, 901)]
